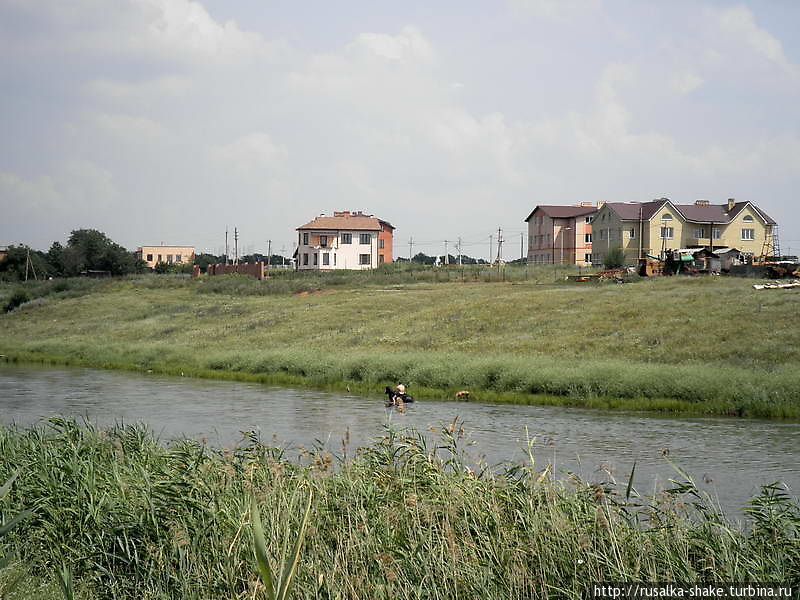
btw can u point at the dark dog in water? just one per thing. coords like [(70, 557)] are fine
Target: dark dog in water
[(398, 396)]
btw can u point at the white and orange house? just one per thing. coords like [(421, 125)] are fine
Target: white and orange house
[(347, 240)]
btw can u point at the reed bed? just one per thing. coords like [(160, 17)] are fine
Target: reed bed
[(406, 517)]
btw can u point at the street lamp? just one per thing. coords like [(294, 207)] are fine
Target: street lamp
[(563, 229)]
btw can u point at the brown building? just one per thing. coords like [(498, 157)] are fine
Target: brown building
[(561, 234)]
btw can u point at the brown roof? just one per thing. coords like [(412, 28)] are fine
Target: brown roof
[(711, 213), (343, 223), (563, 212)]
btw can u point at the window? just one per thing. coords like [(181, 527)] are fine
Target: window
[(178, 258), (323, 241), (159, 258), (716, 233), (588, 219), (380, 258), (305, 259), (364, 238), (363, 259), (587, 258), (326, 259), (347, 238), (666, 217), (149, 258), (305, 238), (700, 232), (604, 234), (380, 244), (748, 234), (334, 259), (632, 233), (169, 258), (667, 233), (587, 238), (748, 219), (316, 259)]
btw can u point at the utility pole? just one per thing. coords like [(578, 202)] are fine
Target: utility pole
[(269, 253), (283, 255), (226, 245), (446, 256), (490, 249), (521, 245), (411, 248), (499, 245), (459, 252), (235, 246)]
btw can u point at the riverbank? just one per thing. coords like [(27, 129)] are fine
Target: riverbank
[(672, 345), (400, 516)]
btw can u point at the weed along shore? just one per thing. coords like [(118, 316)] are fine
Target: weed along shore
[(124, 516), (687, 346)]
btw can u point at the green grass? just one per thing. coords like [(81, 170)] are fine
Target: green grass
[(405, 517), (702, 346)]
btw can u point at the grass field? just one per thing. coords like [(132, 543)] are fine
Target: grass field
[(402, 519), (702, 345)]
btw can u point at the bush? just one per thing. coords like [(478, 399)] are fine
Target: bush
[(615, 258), (19, 297)]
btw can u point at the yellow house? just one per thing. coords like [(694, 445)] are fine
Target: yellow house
[(651, 228), (153, 255)]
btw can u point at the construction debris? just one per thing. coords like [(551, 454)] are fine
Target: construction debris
[(777, 286)]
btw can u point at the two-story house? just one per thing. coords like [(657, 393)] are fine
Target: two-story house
[(561, 234), (652, 228), (347, 240)]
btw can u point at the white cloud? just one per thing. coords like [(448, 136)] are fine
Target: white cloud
[(407, 46), (686, 82)]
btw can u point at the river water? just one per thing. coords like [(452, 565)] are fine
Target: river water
[(729, 457)]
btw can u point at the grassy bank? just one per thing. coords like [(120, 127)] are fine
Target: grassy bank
[(704, 346), (403, 518)]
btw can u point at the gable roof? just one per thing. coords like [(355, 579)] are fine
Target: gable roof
[(563, 212), (711, 213), (343, 223)]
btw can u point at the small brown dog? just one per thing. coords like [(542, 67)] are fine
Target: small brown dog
[(462, 395)]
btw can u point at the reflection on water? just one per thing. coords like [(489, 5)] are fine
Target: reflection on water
[(733, 457)]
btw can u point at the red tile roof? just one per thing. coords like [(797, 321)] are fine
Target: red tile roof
[(343, 223)]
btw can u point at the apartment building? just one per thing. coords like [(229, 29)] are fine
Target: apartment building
[(652, 228), (347, 240), (561, 234)]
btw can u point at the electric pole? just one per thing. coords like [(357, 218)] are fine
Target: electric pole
[(521, 246), (269, 253), (490, 249), (411, 248), (446, 256), (499, 245), (235, 246), (226, 245), (459, 252)]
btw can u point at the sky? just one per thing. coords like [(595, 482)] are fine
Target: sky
[(171, 120)]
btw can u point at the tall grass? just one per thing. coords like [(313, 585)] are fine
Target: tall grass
[(407, 517)]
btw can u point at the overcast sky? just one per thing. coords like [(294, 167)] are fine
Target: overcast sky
[(166, 120)]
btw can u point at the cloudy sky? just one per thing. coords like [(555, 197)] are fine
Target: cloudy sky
[(168, 120)]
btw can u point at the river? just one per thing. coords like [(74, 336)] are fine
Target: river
[(728, 457)]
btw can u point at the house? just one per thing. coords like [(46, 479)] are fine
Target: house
[(561, 234), (651, 228), (347, 240), (153, 255)]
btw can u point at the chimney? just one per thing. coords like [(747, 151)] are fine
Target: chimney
[(341, 213), (731, 204), (601, 203), (586, 204), (701, 203)]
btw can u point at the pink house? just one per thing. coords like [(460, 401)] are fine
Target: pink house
[(561, 234)]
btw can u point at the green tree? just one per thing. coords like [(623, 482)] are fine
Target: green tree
[(92, 250), (21, 260), (614, 259)]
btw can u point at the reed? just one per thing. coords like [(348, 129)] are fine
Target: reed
[(409, 516)]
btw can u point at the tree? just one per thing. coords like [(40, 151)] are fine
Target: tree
[(92, 250), (614, 259), (16, 264)]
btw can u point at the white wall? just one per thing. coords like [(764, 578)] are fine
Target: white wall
[(347, 255)]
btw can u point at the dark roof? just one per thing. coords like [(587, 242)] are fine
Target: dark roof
[(711, 213), (564, 212), (629, 211)]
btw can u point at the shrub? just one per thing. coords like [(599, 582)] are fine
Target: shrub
[(19, 297), (615, 258)]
